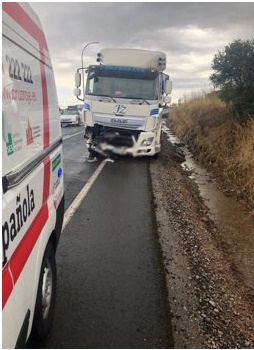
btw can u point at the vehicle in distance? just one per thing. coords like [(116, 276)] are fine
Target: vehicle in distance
[(70, 116)]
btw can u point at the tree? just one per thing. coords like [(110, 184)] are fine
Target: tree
[(234, 75)]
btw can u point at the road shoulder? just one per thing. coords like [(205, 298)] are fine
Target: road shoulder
[(210, 306)]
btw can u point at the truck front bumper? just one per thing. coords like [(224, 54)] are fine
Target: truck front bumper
[(144, 146)]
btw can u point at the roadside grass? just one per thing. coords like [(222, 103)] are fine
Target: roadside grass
[(221, 143)]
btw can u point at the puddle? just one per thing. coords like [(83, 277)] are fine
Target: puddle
[(235, 224)]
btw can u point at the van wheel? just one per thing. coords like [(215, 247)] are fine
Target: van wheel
[(46, 295)]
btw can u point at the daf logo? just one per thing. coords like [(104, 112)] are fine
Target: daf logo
[(120, 110), (119, 121)]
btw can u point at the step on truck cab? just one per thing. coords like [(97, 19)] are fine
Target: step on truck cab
[(125, 98), (32, 178)]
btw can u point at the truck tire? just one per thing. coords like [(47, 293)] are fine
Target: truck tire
[(46, 296)]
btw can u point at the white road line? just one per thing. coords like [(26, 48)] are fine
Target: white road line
[(69, 136), (80, 197)]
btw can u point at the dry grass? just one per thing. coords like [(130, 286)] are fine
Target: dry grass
[(223, 145)]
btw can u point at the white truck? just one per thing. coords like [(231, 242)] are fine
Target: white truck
[(125, 99), (32, 178)]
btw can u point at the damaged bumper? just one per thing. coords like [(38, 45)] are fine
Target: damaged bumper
[(143, 146)]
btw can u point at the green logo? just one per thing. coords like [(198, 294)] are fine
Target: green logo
[(56, 161), (7, 137)]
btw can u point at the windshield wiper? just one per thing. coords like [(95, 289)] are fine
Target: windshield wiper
[(140, 101), (107, 97)]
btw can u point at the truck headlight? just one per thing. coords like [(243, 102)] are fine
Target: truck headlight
[(147, 142)]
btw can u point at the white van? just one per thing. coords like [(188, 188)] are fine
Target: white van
[(32, 178)]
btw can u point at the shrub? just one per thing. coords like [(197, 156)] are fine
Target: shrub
[(234, 75)]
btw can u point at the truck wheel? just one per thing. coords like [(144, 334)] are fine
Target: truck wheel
[(156, 155), (46, 295)]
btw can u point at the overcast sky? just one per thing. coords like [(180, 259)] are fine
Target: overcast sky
[(189, 33)]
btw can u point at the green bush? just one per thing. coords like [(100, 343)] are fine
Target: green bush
[(234, 75)]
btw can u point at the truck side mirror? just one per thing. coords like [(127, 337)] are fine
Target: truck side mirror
[(168, 87), (77, 79), (77, 92)]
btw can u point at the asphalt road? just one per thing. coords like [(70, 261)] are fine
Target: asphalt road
[(111, 285)]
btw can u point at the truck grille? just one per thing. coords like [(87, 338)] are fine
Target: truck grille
[(116, 136)]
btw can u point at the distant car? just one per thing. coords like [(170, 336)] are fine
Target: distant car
[(70, 117)]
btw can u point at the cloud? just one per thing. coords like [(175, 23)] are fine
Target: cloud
[(189, 33)]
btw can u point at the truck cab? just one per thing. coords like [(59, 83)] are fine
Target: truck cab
[(124, 100)]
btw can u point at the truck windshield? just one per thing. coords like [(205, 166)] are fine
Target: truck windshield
[(126, 82)]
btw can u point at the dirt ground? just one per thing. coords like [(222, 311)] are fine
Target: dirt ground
[(210, 305)]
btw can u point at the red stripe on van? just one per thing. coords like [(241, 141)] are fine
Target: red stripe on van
[(45, 107), (22, 253), (16, 12), (6, 284)]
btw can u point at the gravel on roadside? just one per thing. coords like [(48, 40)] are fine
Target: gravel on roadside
[(210, 305)]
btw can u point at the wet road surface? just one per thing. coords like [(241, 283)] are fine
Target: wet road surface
[(111, 287), (76, 170)]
